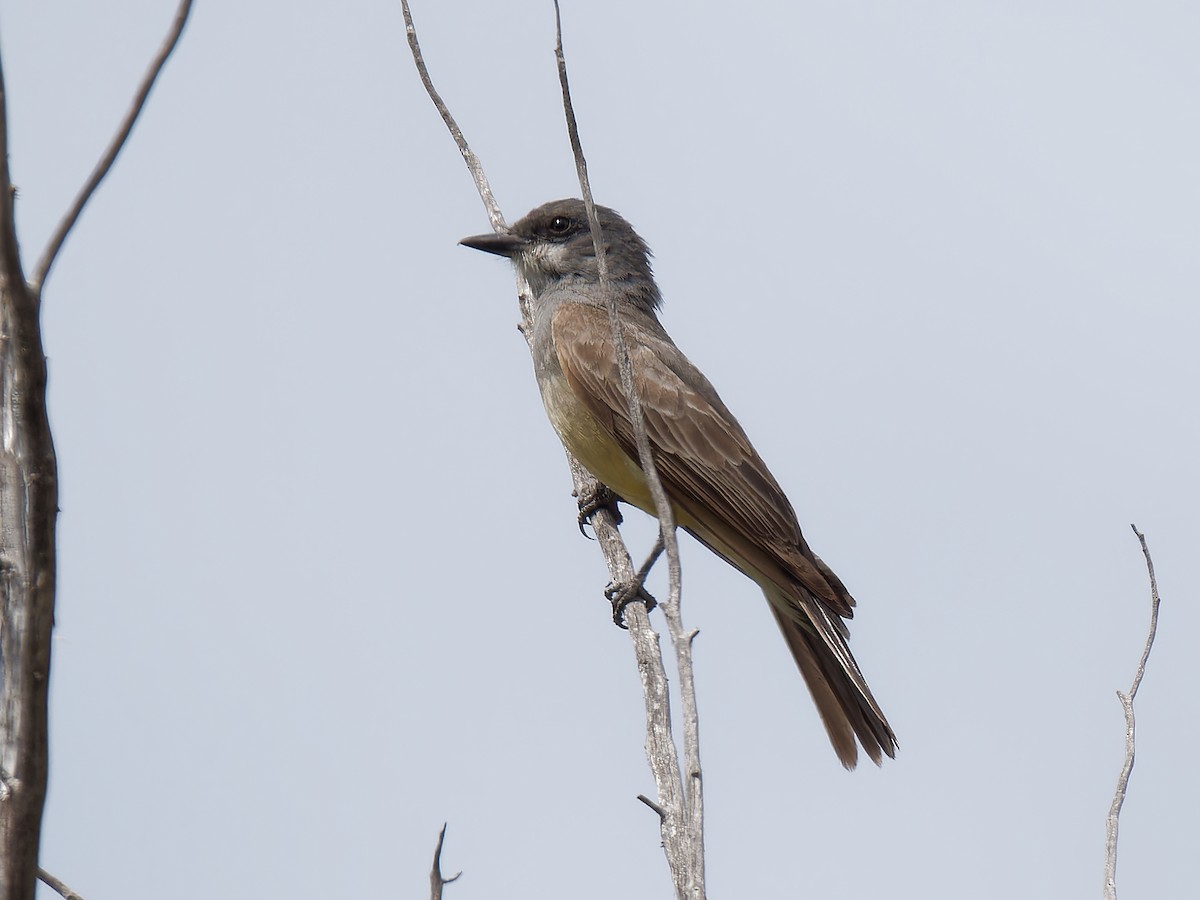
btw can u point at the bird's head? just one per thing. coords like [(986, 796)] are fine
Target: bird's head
[(552, 246)]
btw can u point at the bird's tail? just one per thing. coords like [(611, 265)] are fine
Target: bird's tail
[(836, 683)]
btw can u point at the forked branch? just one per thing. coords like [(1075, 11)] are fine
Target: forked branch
[(436, 880), (28, 515)]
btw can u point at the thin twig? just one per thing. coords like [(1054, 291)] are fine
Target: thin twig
[(1114, 811), (58, 886), (1154, 601), (662, 813), (436, 881), (42, 270), (11, 272), (468, 155), (655, 552), (662, 505), (684, 838)]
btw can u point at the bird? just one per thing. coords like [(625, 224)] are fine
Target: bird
[(720, 490)]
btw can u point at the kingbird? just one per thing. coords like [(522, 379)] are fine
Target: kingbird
[(720, 489)]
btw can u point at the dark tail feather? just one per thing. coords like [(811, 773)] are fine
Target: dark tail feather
[(837, 686)]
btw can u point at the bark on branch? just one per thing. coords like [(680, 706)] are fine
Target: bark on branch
[(28, 509), (28, 512)]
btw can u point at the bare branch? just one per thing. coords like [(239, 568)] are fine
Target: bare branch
[(28, 509), (58, 886), (693, 785), (436, 881), (1114, 811), (683, 822), (42, 270), (468, 155), (660, 746), (661, 753)]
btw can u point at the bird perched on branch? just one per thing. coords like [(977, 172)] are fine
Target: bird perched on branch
[(720, 489)]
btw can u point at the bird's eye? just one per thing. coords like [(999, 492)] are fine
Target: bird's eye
[(560, 225)]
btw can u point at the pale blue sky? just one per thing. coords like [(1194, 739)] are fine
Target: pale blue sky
[(321, 587)]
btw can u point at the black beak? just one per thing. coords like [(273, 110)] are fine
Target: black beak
[(500, 244)]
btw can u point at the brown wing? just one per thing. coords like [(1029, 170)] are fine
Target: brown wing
[(707, 464)]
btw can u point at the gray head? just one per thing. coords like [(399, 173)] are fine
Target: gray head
[(552, 246)]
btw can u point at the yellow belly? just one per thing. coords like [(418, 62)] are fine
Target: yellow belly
[(592, 445)]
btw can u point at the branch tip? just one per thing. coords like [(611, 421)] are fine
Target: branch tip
[(474, 166), (42, 269)]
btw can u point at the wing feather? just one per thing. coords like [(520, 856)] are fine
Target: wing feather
[(707, 464)]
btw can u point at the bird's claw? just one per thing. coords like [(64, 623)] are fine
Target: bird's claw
[(621, 595), (592, 501)]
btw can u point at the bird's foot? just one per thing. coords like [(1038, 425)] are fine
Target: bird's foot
[(592, 501), (622, 594)]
